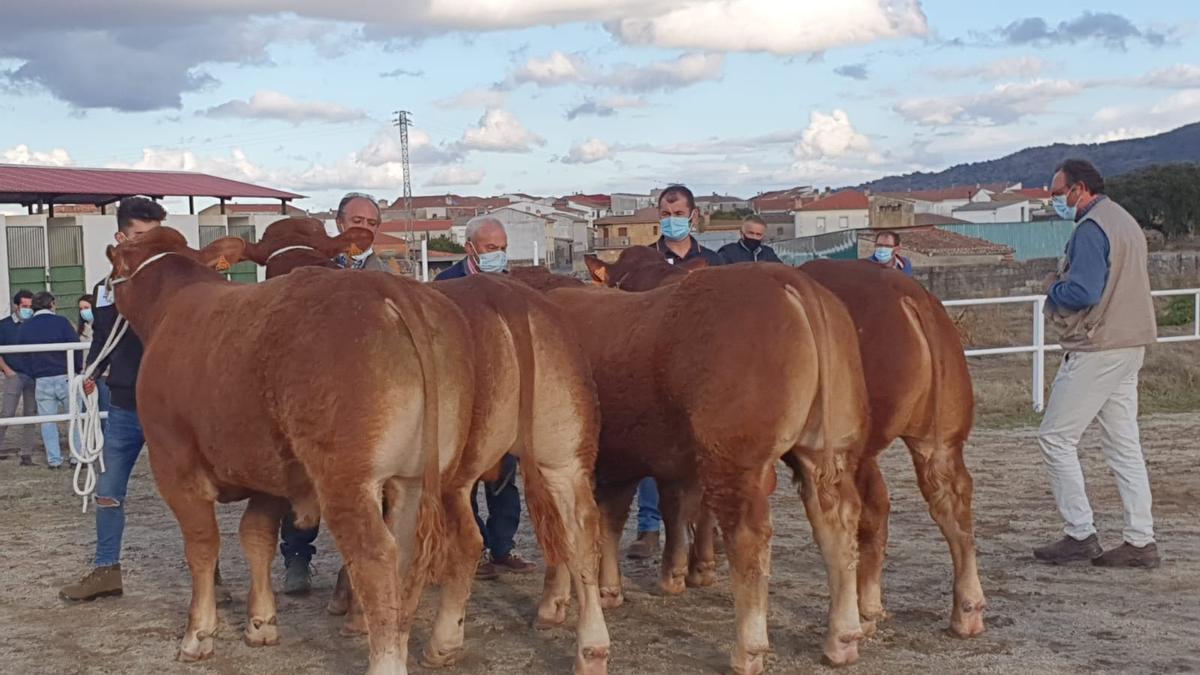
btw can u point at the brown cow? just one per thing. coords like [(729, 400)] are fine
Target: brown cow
[(537, 401), (252, 424), (920, 391), (680, 403)]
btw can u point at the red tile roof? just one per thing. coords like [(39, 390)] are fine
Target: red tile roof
[(927, 219), (846, 200), (646, 215), (937, 242), (1034, 193), (24, 183), (944, 194)]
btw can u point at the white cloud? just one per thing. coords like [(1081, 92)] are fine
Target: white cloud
[(686, 70), (588, 152), (793, 27), (1004, 104), (272, 105), (830, 136), (384, 147), (456, 175), (1003, 69), (1179, 76), (480, 97), (606, 107), (1176, 110), (21, 154), (500, 131), (717, 146), (557, 68), (236, 166)]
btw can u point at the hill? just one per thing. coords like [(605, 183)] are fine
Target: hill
[(1032, 166)]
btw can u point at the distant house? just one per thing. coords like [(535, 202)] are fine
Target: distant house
[(421, 229), (935, 247), (441, 207), (528, 234), (715, 203), (250, 209), (942, 201), (616, 233), (844, 210), (783, 201), (1001, 209), (625, 204), (595, 206)]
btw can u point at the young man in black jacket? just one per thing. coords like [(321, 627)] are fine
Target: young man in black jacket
[(750, 247), (123, 439)]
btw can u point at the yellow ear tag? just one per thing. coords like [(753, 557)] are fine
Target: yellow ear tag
[(222, 265), (354, 249)]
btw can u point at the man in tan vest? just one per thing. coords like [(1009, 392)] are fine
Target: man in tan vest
[(1100, 298)]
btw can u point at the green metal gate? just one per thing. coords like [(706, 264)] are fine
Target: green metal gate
[(26, 258), (27, 263), (243, 272)]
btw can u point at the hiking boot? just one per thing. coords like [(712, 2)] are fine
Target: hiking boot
[(27, 461), (485, 569), (100, 582), (513, 563), (53, 467), (1128, 555), (646, 546), (297, 579), (1069, 549)]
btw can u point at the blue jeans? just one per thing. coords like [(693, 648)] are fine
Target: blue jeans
[(648, 517), (103, 398), (53, 398), (122, 444), (297, 543), (504, 510)]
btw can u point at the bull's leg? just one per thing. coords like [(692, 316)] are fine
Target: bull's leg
[(370, 551), (872, 542), (677, 502), (464, 542), (702, 558), (947, 487), (833, 507), (613, 502), (402, 508), (568, 530), (740, 502), (339, 602), (197, 518), (259, 531)]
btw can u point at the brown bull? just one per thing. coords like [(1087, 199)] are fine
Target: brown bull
[(535, 399), (920, 391), (679, 402), (228, 415)]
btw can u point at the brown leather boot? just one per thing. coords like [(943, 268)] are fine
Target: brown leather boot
[(1068, 549), (99, 583), (646, 546), (1128, 555)]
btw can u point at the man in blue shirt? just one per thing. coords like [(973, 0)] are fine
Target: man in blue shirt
[(887, 253), (18, 386), (49, 369)]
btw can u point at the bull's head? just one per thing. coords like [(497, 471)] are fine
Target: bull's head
[(640, 268)]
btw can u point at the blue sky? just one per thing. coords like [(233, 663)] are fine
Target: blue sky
[(558, 96)]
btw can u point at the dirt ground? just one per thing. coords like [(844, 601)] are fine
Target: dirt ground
[(1040, 619)]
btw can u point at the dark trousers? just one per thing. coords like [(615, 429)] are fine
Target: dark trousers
[(504, 510), (297, 543)]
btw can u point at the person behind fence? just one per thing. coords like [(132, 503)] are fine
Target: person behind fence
[(87, 317), (19, 387), (123, 439), (1100, 299), (887, 253), (750, 247), (49, 369)]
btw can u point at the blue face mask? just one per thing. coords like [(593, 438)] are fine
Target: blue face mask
[(86, 315), (883, 253), (676, 228), (26, 313), (1060, 207), (493, 262)]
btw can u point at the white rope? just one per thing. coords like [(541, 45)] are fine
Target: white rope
[(285, 249), (91, 436)]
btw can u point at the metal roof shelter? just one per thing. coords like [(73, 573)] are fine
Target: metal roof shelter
[(50, 185)]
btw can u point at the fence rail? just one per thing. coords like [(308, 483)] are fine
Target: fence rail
[(1040, 347), (73, 411)]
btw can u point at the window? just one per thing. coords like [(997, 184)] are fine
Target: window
[(843, 222), (622, 231), (779, 231), (821, 224), (656, 230)]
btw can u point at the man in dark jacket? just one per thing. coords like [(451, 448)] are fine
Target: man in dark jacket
[(123, 439), (678, 216), (750, 247), (49, 369), (19, 388)]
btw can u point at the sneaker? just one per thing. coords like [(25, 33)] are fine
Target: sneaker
[(298, 578), (485, 569), (1069, 549), (100, 582), (513, 563), (646, 546), (52, 467), (1128, 555), (27, 461)]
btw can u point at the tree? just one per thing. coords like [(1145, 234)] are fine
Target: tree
[(1162, 197), (445, 245)]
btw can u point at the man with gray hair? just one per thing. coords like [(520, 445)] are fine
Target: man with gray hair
[(487, 253), (360, 210)]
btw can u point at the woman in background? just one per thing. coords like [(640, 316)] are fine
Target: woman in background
[(84, 327)]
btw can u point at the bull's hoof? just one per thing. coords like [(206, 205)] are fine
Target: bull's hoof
[(355, 625), (611, 598), (338, 605), (440, 658), (702, 575), (552, 614), (870, 622), (752, 662), (261, 633), (674, 584), (592, 661), (966, 620), (843, 649), (196, 646)]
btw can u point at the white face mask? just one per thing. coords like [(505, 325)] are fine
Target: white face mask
[(364, 255)]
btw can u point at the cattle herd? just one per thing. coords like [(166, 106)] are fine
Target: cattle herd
[(380, 416)]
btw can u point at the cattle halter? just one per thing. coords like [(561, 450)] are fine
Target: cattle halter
[(154, 258), (285, 249)]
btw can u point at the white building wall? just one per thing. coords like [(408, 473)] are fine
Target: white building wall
[(812, 223), (1017, 212)]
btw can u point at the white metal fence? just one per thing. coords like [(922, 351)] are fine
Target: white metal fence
[(1039, 346), (73, 410)]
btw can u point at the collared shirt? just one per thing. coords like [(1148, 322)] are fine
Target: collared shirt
[(695, 250)]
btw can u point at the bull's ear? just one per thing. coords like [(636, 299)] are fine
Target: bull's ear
[(352, 242), (223, 253), (693, 264), (598, 268)]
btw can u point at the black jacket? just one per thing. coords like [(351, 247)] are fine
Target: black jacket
[(695, 251), (124, 361), (737, 252)]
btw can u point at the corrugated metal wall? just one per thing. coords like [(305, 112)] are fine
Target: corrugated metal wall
[(1039, 239)]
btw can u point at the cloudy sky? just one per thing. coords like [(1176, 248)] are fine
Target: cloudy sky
[(558, 96)]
